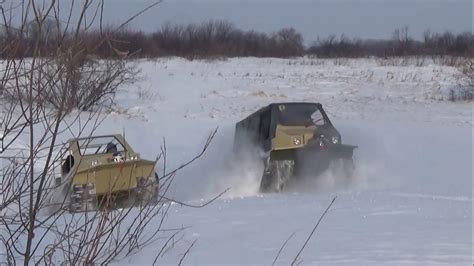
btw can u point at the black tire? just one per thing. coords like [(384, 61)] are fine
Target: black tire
[(276, 175)]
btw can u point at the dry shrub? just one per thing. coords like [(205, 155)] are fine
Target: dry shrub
[(42, 104)]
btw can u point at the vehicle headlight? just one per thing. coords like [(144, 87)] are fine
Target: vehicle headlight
[(134, 157), (118, 158), (335, 140), (297, 140)]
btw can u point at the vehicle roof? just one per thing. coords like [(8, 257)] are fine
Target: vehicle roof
[(273, 104), (94, 137), (119, 137)]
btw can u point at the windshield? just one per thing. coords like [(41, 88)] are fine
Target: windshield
[(300, 115), (100, 145)]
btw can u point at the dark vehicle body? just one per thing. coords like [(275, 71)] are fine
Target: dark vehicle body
[(294, 137)]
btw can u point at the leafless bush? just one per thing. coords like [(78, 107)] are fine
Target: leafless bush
[(211, 39), (333, 47), (403, 44), (287, 42), (420, 60), (460, 93), (90, 84), (469, 69), (217, 39), (341, 61), (448, 60), (393, 61), (446, 45), (146, 94), (42, 104), (464, 91), (220, 38)]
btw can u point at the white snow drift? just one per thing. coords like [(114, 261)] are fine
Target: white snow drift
[(408, 203)]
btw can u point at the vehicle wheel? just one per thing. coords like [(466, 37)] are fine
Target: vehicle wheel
[(146, 191), (276, 175), (82, 198)]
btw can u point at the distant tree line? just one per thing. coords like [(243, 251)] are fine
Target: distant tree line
[(223, 39), (401, 44)]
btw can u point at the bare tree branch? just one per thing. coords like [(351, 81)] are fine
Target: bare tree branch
[(312, 232), (282, 247), (186, 253)]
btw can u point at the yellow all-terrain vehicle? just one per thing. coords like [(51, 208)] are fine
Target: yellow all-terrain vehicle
[(105, 172), (296, 139)]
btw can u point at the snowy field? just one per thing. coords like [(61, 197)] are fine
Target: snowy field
[(409, 202)]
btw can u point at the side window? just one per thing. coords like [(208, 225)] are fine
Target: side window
[(100, 145), (318, 118), (67, 165), (265, 125), (254, 123)]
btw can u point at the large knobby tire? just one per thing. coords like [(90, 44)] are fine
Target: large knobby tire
[(144, 194), (146, 191), (276, 175), (83, 198)]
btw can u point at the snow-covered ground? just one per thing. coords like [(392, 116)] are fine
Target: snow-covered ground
[(410, 200)]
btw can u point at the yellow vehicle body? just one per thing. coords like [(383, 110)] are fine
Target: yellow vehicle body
[(105, 172), (284, 137)]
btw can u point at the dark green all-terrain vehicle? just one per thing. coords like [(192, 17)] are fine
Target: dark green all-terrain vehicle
[(296, 139)]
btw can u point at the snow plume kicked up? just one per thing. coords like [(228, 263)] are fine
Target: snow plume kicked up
[(369, 169), (364, 175), (242, 176), (241, 172), (220, 169)]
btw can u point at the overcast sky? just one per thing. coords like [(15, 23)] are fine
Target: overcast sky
[(355, 18), (313, 18)]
